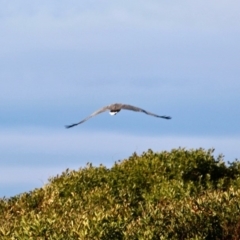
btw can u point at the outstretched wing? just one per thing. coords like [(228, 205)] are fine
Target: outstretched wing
[(92, 115), (137, 109)]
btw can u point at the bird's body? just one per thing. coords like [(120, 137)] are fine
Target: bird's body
[(114, 109)]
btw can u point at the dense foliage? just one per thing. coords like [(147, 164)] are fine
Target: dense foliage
[(182, 194)]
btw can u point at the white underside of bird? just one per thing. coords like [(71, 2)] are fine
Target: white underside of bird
[(113, 113)]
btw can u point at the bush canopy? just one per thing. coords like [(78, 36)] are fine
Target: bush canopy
[(181, 194)]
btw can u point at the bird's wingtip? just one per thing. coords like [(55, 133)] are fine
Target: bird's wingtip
[(69, 126)]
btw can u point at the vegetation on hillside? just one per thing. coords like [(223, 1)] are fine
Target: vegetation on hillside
[(182, 194)]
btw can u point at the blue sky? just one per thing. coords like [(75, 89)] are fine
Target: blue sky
[(62, 60)]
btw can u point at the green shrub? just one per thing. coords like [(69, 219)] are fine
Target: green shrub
[(182, 194)]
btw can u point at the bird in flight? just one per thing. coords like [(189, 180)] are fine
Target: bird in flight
[(114, 109)]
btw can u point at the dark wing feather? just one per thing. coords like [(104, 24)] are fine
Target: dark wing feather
[(92, 115), (137, 109)]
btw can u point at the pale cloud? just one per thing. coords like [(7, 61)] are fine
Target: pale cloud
[(74, 26), (80, 142), (29, 156), (54, 52), (23, 174)]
